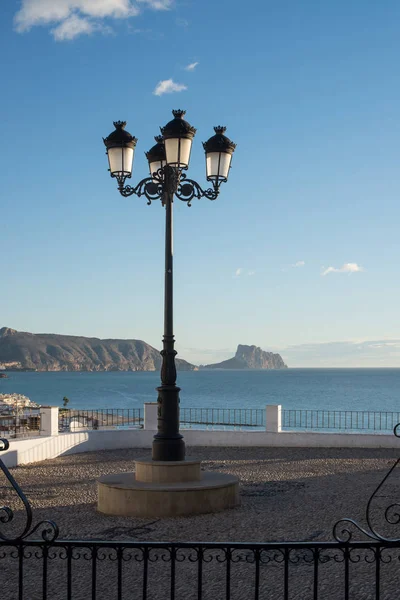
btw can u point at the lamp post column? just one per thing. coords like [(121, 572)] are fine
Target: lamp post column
[(168, 444)]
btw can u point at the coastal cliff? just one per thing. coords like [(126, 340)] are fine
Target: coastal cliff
[(51, 352), (250, 357)]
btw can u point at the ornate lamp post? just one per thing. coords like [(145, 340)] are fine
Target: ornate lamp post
[(167, 161)]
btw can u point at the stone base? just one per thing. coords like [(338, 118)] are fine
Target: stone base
[(157, 471), (123, 495)]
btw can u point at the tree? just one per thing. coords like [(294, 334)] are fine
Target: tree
[(65, 401)]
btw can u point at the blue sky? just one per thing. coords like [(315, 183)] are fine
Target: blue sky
[(302, 246)]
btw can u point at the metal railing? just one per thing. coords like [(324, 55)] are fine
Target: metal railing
[(16, 423), (200, 571), (50, 568), (107, 418), (215, 418), (343, 420)]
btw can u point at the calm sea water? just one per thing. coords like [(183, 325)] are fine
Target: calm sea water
[(344, 389)]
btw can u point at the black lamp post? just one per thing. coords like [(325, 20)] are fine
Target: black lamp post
[(167, 161)]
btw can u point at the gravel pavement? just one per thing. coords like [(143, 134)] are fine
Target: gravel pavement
[(286, 494)]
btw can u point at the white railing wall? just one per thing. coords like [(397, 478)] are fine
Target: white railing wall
[(274, 418), (51, 444), (49, 420)]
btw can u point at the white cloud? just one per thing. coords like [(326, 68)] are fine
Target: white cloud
[(71, 18), (191, 66), (137, 31), (157, 4), (346, 268), (72, 27), (372, 353), (299, 263), (168, 86), (240, 271)]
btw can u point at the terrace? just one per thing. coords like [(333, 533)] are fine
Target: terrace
[(292, 494)]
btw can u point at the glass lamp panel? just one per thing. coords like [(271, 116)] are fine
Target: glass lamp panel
[(177, 151), (186, 146), (120, 160), (225, 163), (155, 166), (217, 165), (172, 151)]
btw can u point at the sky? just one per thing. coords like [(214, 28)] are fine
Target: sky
[(300, 252)]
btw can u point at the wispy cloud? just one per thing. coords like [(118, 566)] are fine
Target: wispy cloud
[(296, 265), (191, 66), (71, 18), (139, 31), (182, 22), (168, 86), (346, 268), (73, 26), (370, 353), (240, 272), (157, 4)]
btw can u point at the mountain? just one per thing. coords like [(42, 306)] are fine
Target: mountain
[(250, 357), (51, 352)]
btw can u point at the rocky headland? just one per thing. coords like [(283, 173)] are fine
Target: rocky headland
[(250, 357), (23, 351)]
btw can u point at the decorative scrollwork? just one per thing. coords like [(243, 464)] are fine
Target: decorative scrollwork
[(150, 187), (49, 530), (167, 181), (342, 530), (189, 189)]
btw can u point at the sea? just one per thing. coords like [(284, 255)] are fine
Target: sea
[(329, 389)]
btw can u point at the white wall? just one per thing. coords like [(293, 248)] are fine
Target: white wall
[(41, 448), (23, 451)]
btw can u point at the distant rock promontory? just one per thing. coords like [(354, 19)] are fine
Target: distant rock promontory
[(250, 357), (22, 351)]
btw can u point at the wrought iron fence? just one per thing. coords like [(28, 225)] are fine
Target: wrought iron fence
[(21, 422), (108, 418), (230, 418), (49, 568), (77, 570), (344, 420)]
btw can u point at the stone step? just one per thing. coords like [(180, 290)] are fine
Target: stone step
[(122, 495)]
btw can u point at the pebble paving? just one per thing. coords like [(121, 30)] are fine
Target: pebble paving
[(287, 494)]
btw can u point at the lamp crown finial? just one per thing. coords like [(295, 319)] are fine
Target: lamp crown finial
[(159, 139), (178, 113), (119, 124), (220, 129)]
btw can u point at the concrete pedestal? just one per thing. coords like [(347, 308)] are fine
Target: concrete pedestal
[(166, 489), (152, 471)]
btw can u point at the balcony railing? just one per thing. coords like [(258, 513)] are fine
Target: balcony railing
[(340, 420), (24, 422), (28, 422), (107, 418), (227, 418)]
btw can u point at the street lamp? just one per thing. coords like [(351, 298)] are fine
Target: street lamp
[(167, 161)]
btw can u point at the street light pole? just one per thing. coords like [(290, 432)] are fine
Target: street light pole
[(168, 443), (167, 161)]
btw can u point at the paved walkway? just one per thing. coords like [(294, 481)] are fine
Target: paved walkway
[(286, 494)]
